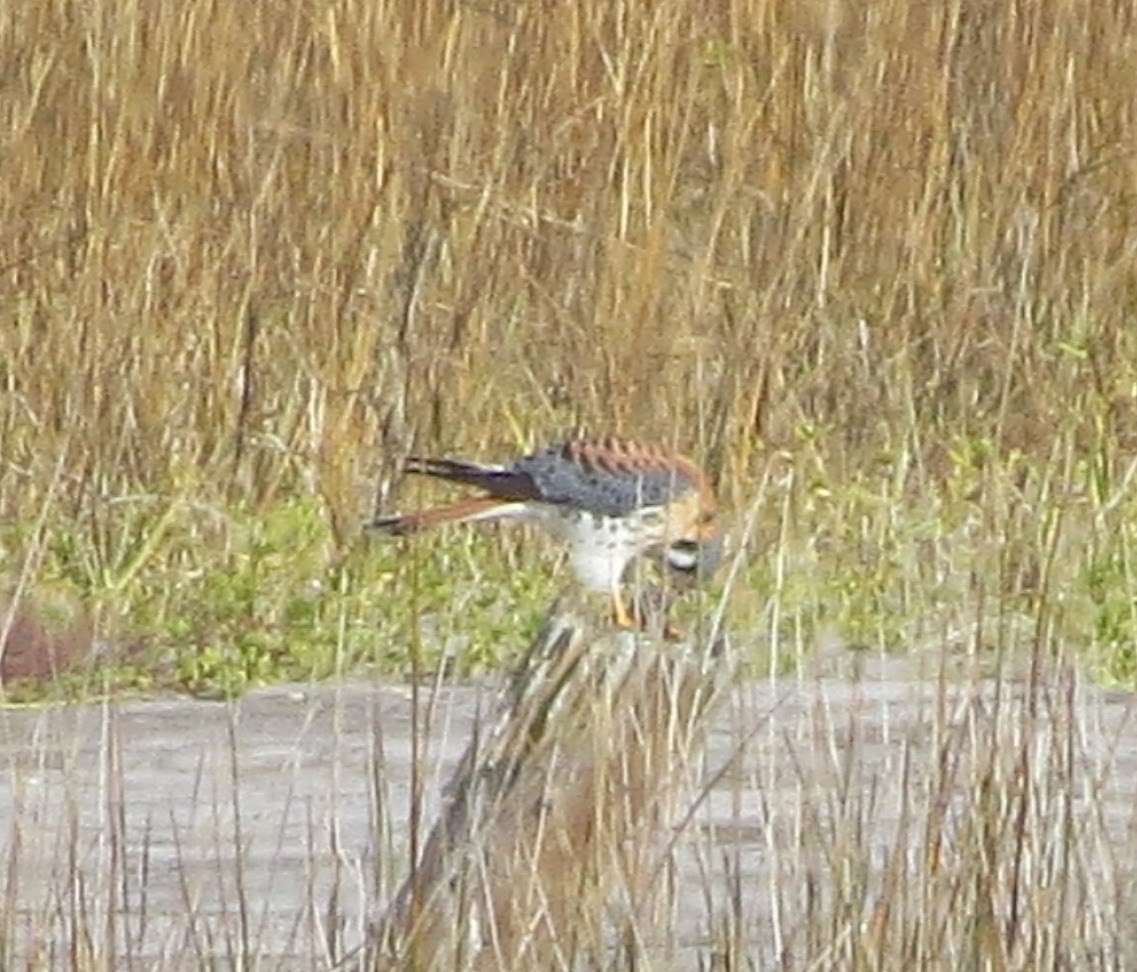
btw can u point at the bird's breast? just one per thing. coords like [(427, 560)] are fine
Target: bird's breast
[(600, 547)]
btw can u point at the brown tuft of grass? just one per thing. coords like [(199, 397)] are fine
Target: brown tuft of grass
[(41, 637)]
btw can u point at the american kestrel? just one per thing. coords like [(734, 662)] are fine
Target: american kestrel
[(610, 499)]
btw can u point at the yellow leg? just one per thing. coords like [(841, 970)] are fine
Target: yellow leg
[(621, 616)]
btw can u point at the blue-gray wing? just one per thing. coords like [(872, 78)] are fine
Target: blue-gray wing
[(607, 477)]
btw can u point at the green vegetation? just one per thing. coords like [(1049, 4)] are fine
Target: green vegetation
[(877, 258)]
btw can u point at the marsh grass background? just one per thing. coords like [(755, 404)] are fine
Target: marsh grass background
[(880, 253), (873, 262)]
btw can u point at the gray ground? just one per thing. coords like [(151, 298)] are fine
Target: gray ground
[(185, 831)]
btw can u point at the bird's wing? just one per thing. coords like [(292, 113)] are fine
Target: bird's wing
[(612, 477), (607, 476)]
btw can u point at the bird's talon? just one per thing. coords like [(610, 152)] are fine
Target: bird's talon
[(621, 618)]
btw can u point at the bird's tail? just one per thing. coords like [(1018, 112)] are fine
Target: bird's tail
[(464, 511)]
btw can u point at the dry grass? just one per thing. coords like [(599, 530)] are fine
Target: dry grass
[(877, 257)]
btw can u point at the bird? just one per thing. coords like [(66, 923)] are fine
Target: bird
[(612, 500)]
